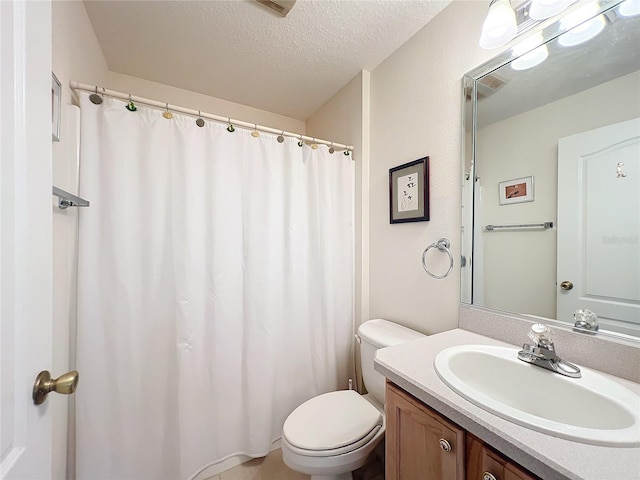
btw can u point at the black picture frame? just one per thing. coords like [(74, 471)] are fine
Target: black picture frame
[(409, 192)]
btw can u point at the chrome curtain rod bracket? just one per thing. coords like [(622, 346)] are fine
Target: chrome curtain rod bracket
[(544, 226), (66, 199)]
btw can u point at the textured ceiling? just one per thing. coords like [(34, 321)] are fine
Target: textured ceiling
[(242, 52)]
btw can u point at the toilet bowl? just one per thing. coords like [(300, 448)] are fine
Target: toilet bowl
[(333, 434)]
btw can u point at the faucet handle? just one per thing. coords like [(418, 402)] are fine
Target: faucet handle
[(541, 336), (586, 320)]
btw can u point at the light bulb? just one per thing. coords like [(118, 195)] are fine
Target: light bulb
[(629, 8), (541, 9), (530, 53), (531, 59), (500, 26), (588, 29), (527, 44)]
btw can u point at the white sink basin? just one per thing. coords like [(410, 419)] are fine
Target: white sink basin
[(591, 409)]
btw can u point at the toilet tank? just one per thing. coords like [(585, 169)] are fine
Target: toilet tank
[(375, 334)]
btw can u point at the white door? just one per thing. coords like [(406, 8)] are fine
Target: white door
[(599, 225), (25, 236)]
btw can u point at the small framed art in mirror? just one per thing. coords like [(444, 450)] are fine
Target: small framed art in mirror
[(516, 191), (409, 192)]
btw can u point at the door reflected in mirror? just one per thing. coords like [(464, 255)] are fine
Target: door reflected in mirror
[(551, 180)]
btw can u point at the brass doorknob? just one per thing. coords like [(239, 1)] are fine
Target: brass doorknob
[(566, 285), (65, 384)]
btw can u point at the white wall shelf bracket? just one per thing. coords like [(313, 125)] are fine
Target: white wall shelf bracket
[(66, 199)]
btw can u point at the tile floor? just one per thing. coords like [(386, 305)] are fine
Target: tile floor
[(272, 467)]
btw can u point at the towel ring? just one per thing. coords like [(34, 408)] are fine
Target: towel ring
[(443, 245)]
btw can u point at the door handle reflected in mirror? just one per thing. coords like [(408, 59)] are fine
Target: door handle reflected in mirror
[(566, 285), (65, 384)]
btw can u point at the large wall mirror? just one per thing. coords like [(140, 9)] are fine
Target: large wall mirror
[(551, 172)]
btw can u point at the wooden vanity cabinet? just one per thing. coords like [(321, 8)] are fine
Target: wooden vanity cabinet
[(484, 463), (422, 444)]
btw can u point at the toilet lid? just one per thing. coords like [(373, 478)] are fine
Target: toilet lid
[(330, 421)]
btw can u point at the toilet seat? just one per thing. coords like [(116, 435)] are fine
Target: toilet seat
[(335, 451), (332, 424)]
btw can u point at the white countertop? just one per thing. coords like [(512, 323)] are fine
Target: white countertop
[(410, 366)]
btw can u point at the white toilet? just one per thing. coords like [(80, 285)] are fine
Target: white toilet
[(332, 434)]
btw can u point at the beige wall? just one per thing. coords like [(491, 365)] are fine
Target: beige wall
[(416, 104), (197, 101), (345, 118), (520, 267)]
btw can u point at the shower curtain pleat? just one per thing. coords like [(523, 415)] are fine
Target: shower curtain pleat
[(215, 290)]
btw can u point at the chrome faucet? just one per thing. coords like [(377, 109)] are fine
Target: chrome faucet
[(543, 353)]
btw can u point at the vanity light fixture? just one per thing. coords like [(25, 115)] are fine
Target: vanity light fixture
[(509, 18), (528, 55), (629, 8), (542, 9), (500, 26), (584, 31)]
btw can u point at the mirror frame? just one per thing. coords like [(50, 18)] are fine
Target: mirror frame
[(550, 29)]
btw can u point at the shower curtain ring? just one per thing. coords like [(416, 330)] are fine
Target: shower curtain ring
[(230, 128), (280, 137), (331, 149), (95, 98), (255, 133), (200, 121), (131, 106), (167, 114), (300, 142)]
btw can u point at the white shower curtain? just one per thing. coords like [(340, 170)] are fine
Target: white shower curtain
[(214, 294)]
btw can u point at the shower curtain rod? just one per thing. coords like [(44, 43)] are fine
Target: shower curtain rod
[(163, 105)]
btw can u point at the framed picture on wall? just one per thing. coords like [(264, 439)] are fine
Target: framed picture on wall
[(55, 107), (409, 192), (518, 190)]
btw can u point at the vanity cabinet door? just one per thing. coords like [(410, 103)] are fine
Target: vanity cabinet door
[(483, 463), (420, 444)]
